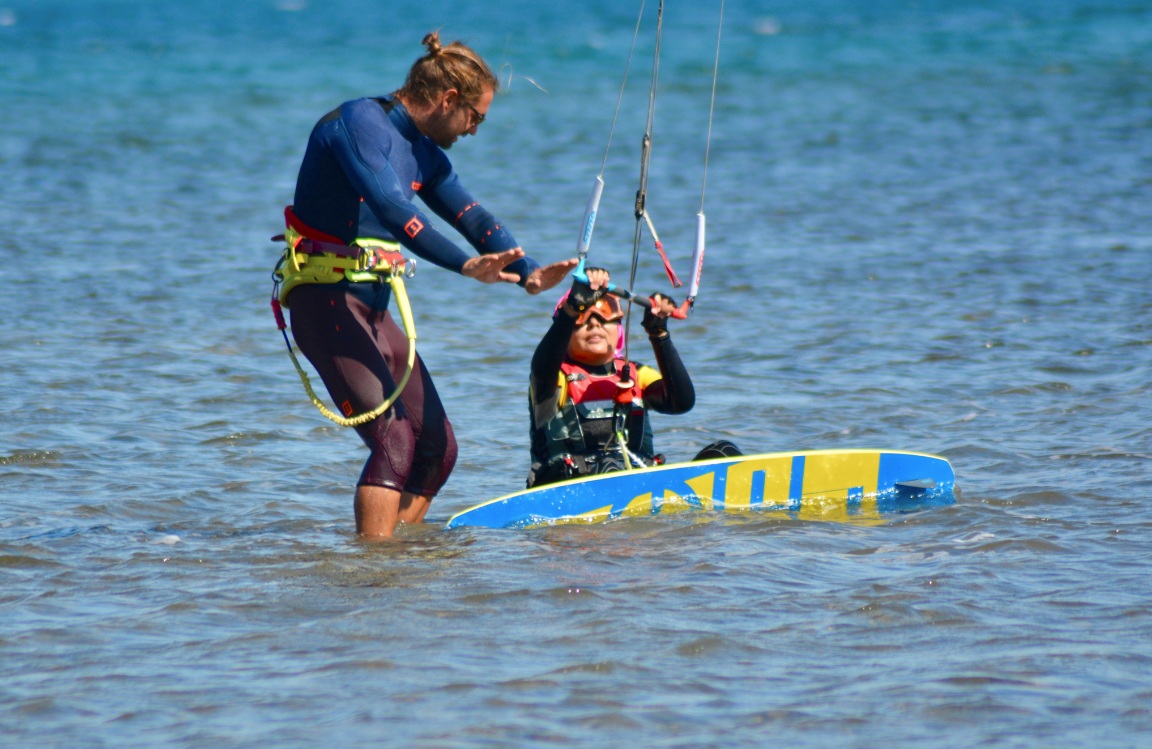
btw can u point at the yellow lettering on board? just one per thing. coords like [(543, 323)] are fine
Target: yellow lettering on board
[(830, 505), (701, 486), (834, 471), (592, 516), (673, 502), (741, 477), (641, 505), (828, 478)]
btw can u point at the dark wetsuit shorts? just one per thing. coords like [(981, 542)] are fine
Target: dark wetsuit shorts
[(360, 352)]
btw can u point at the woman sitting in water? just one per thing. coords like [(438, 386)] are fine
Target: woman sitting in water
[(589, 407)]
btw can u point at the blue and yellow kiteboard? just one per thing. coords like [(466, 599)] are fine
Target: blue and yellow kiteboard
[(818, 484)]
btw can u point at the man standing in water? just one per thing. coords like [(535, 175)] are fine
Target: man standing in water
[(364, 163)]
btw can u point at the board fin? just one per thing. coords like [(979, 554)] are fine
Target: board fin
[(919, 485)]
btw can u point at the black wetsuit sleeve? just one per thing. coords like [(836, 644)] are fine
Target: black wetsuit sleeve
[(549, 355), (546, 361), (673, 393)]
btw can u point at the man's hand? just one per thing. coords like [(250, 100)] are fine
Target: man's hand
[(549, 276), (490, 268)]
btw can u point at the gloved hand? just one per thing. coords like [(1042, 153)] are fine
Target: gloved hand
[(583, 295), (656, 317)]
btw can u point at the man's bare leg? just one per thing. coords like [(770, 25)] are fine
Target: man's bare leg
[(378, 509), (413, 507)]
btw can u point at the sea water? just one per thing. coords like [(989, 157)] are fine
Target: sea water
[(928, 229)]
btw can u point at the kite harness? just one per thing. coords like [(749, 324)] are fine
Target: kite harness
[(313, 257)]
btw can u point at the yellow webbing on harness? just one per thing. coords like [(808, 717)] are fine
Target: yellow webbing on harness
[(299, 268)]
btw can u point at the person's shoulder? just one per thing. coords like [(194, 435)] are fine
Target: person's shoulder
[(364, 106), (376, 101), (367, 122)]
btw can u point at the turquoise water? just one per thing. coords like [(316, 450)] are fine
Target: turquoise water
[(928, 230)]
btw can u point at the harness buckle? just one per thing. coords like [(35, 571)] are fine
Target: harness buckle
[(377, 259)]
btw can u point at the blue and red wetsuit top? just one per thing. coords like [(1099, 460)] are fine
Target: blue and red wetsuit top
[(364, 163)]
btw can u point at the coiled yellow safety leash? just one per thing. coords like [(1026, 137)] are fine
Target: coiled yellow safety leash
[(391, 273)]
